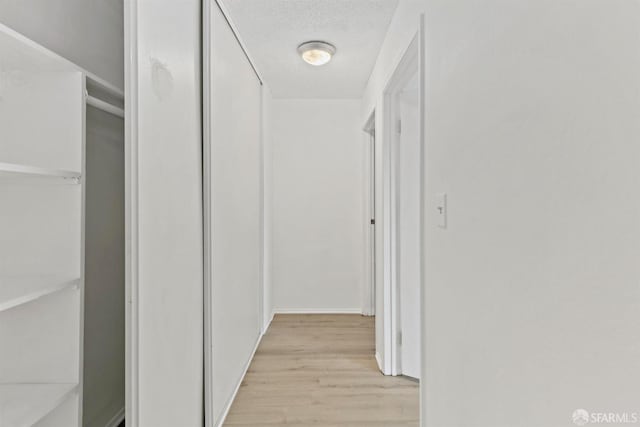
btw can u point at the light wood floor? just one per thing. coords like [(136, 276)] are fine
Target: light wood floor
[(320, 370)]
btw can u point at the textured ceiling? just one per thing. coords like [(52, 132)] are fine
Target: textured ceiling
[(272, 30)]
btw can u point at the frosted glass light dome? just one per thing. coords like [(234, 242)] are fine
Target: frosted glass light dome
[(316, 53)]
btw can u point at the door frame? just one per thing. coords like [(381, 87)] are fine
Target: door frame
[(412, 61), (369, 158)]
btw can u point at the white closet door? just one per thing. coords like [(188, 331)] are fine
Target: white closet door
[(164, 214), (234, 214)]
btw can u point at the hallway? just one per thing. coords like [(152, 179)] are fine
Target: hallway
[(317, 369)]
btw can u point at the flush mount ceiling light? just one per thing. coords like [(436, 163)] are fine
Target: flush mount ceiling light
[(316, 53)]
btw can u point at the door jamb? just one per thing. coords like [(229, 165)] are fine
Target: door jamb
[(411, 62), (369, 288)]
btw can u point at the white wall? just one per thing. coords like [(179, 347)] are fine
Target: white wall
[(318, 241), (88, 33), (235, 232), (104, 351), (164, 204), (532, 291)]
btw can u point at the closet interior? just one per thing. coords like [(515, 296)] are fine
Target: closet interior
[(44, 232)]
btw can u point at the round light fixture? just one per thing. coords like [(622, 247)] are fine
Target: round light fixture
[(316, 53)]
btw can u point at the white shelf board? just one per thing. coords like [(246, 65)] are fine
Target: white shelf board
[(22, 53), (23, 405), (11, 170), (16, 291)]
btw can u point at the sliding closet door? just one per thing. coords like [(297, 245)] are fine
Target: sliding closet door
[(233, 214), (164, 214)]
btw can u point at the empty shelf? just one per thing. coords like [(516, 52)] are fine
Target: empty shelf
[(11, 170), (23, 405), (17, 291)]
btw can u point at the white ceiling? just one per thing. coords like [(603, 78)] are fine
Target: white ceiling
[(272, 30)]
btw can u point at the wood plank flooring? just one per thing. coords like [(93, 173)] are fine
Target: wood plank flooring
[(319, 370)]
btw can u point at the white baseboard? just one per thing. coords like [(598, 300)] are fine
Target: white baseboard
[(318, 311), (379, 362), (266, 326), (235, 392), (116, 419)]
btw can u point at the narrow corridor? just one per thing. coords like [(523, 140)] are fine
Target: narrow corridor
[(320, 370)]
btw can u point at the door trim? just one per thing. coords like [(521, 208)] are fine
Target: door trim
[(412, 62), (369, 158)]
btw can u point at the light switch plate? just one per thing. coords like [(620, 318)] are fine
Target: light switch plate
[(441, 209)]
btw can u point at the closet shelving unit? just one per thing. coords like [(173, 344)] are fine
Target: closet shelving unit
[(43, 99)]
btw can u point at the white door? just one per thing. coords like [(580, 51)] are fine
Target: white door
[(408, 187)]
